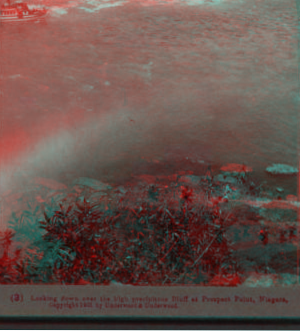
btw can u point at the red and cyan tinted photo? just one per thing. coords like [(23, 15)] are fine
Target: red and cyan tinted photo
[(149, 142)]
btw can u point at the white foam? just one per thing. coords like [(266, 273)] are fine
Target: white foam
[(98, 5), (57, 11)]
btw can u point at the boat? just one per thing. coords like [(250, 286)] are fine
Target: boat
[(19, 12)]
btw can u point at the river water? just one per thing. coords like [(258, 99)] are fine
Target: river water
[(102, 88)]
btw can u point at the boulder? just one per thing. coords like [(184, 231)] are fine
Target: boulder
[(260, 280), (281, 169), (91, 183)]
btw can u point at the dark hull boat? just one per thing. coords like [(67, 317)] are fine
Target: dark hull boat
[(19, 12)]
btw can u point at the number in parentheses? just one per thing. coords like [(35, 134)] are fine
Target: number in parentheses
[(16, 298)]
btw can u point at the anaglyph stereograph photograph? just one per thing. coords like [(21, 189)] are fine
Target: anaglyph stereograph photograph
[(149, 142)]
